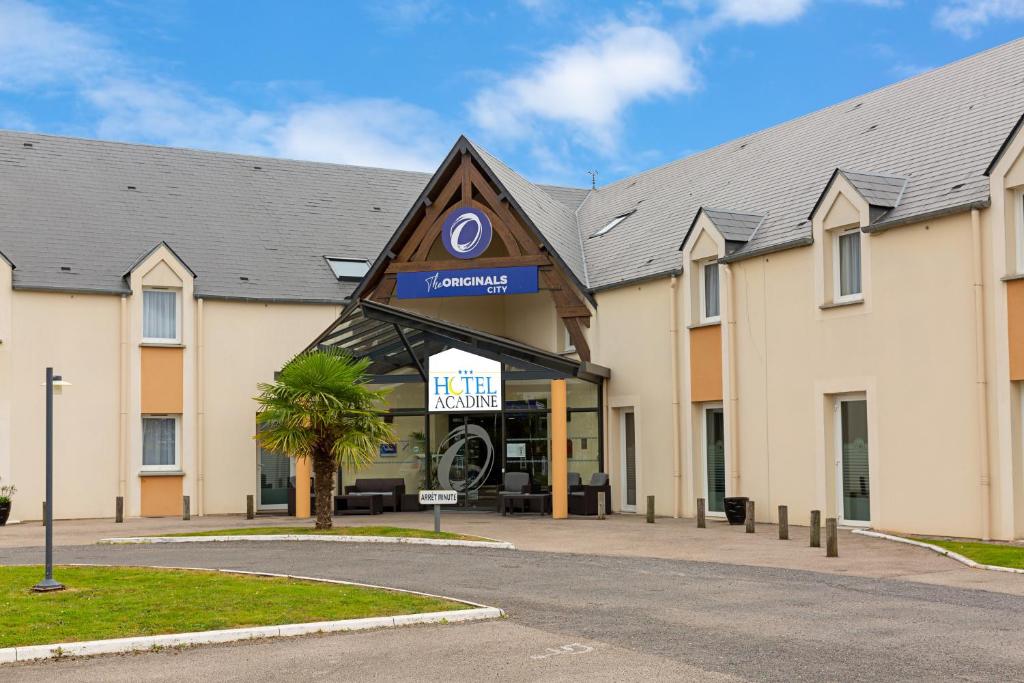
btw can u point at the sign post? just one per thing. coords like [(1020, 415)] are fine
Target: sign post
[(437, 499)]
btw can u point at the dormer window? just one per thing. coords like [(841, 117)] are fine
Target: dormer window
[(348, 270), (710, 306), (611, 224), (847, 266)]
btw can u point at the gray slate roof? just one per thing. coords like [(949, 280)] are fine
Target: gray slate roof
[(66, 203), (939, 130), (919, 147), (877, 190), (735, 227)]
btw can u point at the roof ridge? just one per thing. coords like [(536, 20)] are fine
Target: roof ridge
[(197, 150)]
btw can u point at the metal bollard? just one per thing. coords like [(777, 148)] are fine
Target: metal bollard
[(702, 514), (600, 505), (831, 538), (650, 509), (250, 507), (186, 509), (750, 517), (783, 523), (119, 510), (815, 528)]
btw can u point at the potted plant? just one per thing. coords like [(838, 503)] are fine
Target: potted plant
[(736, 509), (6, 492)]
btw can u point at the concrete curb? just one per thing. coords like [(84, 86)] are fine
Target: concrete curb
[(941, 551), (24, 653), (134, 540)]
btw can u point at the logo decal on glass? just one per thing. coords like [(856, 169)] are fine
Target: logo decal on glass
[(466, 233), (473, 474)]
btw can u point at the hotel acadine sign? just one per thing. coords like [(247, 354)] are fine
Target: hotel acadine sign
[(466, 234), (463, 382)]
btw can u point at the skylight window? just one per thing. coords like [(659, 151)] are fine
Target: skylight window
[(348, 269), (611, 224)]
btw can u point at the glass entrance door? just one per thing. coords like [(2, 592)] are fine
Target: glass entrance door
[(465, 456), (275, 471), (714, 459), (852, 476)]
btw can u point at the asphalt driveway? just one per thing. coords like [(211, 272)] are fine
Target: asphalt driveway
[(590, 617)]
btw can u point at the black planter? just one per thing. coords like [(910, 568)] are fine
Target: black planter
[(736, 509), (5, 512)]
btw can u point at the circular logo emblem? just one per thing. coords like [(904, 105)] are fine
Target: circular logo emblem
[(466, 233)]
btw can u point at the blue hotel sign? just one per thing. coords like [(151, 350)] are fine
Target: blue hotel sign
[(468, 282), (466, 234)]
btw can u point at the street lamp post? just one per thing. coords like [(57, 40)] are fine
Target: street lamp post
[(48, 583)]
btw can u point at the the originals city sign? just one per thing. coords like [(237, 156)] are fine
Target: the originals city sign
[(466, 234), (463, 382)]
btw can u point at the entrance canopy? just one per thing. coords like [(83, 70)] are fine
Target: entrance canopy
[(394, 338)]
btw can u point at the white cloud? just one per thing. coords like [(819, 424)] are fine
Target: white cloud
[(759, 11), (966, 17), (37, 49), (368, 132), (588, 85)]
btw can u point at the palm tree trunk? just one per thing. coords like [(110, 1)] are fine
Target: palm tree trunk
[(323, 470)]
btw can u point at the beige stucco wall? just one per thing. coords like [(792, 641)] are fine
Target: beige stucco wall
[(76, 334), (244, 344), (527, 318), (630, 335), (903, 349)]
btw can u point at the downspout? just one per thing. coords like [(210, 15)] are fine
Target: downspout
[(673, 334), (981, 377), (200, 410), (732, 415), (122, 433)]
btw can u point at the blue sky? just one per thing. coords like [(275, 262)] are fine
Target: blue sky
[(554, 87)]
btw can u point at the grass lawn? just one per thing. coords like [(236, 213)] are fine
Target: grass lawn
[(109, 602), (998, 554), (392, 531)]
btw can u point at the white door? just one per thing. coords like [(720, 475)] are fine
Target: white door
[(627, 428), (853, 478), (714, 459)]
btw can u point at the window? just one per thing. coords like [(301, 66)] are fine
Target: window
[(348, 270), (160, 442), (567, 345), (846, 265), (160, 315), (709, 292), (612, 223)]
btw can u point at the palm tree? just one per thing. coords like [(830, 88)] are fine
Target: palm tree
[(319, 407)]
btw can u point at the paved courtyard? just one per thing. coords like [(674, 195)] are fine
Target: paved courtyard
[(590, 617)]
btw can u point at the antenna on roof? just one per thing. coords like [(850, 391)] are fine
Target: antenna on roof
[(593, 179)]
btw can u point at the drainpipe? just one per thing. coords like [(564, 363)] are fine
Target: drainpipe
[(732, 415), (981, 377), (122, 434), (200, 410), (673, 335)]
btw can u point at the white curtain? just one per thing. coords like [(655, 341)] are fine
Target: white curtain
[(711, 290), (158, 434), (849, 264), (159, 314)]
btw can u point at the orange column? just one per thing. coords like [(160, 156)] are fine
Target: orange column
[(303, 473), (559, 452)]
